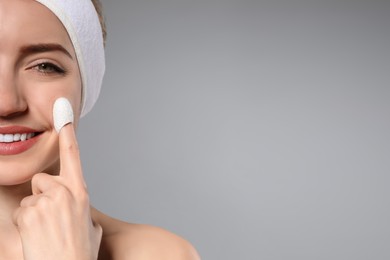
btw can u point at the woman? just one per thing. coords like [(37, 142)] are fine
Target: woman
[(50, 55)]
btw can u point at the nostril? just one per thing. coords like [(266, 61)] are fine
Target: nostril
[(11, 114), (11, 108)]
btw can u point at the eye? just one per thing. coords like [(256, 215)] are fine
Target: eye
[(48, 68)]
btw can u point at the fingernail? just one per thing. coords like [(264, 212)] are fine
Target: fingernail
[(62, 113)]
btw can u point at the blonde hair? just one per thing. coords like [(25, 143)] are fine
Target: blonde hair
[(99, 10)]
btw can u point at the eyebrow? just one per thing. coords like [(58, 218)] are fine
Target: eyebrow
[(43, 47)]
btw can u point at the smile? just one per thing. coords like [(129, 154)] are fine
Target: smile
[(9, 138), (17, 139)]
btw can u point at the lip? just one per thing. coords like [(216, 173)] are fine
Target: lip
[(19, 146)]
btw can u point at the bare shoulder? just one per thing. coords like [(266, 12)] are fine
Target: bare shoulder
[(127, 241), (148, 242)]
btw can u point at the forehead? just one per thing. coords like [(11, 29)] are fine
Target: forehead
[(24, 22)]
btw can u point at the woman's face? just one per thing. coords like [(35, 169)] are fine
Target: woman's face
[(37, 66)]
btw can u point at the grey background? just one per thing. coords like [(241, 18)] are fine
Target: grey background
[(255, 129)]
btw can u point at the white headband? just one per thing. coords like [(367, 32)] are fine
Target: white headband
[(81, 21)]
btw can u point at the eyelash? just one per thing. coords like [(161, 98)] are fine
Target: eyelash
[(49, 68)]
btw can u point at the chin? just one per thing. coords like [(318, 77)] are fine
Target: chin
[(20, 168), (19, 173)]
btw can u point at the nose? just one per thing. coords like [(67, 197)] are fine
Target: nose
[(12, 102)]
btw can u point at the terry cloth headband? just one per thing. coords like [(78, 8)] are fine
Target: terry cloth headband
[(81, 21)]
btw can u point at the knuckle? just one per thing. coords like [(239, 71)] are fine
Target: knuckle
[(25, 201), (43, 202), (37, 178), (83, 196), (62, 193), (98, 231), (28, 217)]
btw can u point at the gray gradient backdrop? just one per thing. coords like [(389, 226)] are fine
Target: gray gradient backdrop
[(255, 129)]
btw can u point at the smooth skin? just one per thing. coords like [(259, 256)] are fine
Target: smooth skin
[(44, 204)]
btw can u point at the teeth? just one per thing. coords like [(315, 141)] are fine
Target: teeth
[(17, 137), (9, 138)]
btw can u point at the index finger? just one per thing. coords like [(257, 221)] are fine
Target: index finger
[(70, 164)]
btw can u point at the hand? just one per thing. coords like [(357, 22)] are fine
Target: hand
[(55, 221)]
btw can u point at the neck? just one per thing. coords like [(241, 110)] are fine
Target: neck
[(10, 197)]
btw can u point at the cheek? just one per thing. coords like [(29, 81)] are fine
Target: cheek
[(41, 97)]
